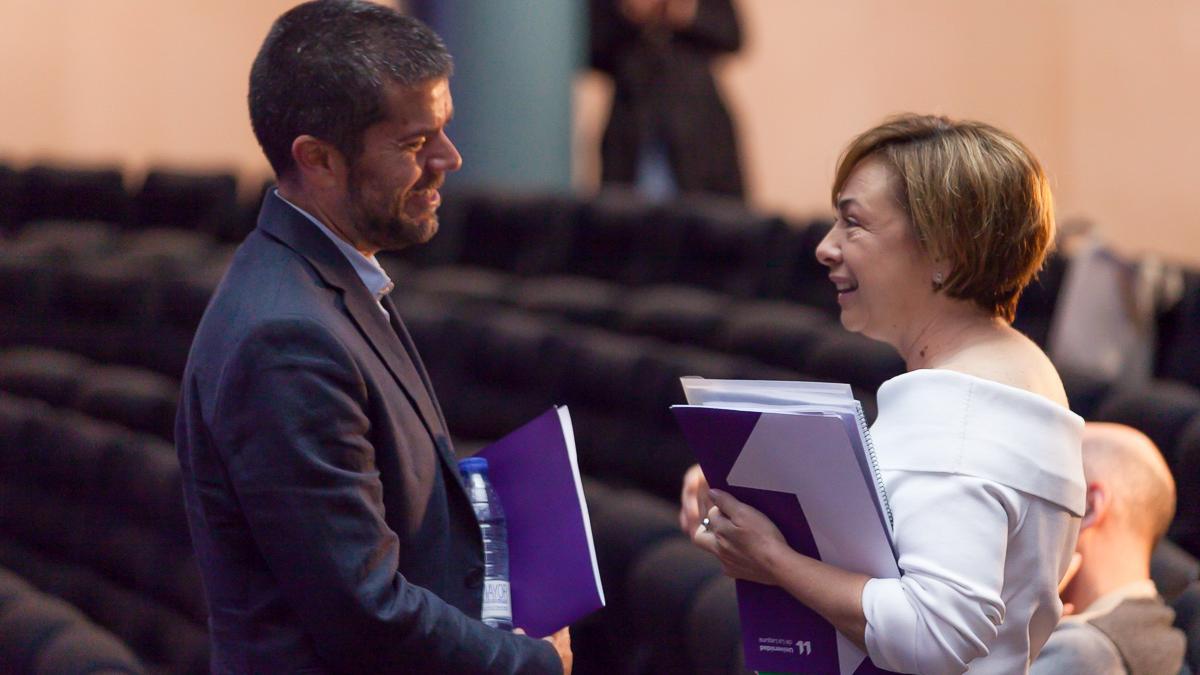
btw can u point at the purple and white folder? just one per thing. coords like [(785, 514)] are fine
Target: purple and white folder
[(801, 453), (553, 576)]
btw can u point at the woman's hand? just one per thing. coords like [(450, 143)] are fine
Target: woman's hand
[(743, 539), (693, 501)]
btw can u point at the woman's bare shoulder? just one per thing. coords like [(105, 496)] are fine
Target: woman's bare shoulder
[(1014, 360)]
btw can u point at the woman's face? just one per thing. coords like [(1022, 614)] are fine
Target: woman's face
[(883, 276)]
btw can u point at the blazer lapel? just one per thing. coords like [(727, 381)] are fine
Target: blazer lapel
[(279, 220)]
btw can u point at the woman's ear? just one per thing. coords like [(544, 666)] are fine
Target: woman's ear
[(1098, 502)]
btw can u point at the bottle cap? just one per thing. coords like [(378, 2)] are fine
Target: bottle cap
[(473, 465)]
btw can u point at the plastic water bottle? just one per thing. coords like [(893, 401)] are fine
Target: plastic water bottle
[(497, 603)]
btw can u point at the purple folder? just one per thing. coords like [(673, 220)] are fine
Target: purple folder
[(801, 471), (551, 558)]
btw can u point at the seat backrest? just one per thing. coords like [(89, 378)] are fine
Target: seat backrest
[(1159, 409), (200, 202), (1187, 619), (74, 194)]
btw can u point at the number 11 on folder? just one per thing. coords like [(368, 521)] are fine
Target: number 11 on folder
[(799, 452)]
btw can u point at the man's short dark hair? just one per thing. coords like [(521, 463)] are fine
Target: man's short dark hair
[(322, 70)]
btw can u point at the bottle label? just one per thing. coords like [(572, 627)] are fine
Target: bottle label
[(497, 604)]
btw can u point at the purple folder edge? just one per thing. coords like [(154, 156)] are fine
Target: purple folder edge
[(762, 609), (553, 573)]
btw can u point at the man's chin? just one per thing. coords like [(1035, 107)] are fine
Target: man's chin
[(399, 235)]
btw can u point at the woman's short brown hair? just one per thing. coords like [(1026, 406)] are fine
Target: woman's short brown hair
[(976, 197)]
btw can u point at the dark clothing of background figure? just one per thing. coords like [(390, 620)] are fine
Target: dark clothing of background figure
[(329, 521), (664, 92), (1136, 638)]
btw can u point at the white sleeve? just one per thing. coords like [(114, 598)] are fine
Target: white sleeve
[(951, 532)]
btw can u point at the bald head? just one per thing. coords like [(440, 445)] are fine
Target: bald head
[(1135, 475)]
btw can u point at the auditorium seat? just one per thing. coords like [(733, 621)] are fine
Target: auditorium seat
[(775, 332), (674, 313), (42, 635), (44, 374), (57, 192), (841, 356), (30, 271), (428, 319), (1035, 309), (512, 364), (654, 455), (605, 385), (463, 284), (135, 398), (663, 587), (186, 294), (714, 633), (1178, 355), (1084, 390), (723, 245), (793, 272), (1172, 569), (93, 512), (593, 302), (620, 237), (191, 201), (625, 524), (1185, 528), (523, 234), (165, 640), (1187, 619), (1159, 409), (245, 217), (11, 185)]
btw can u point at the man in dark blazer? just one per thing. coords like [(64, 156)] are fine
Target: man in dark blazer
[(330, 524)]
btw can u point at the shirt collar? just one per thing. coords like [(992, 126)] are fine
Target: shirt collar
[(367, 267), (1106, 603)]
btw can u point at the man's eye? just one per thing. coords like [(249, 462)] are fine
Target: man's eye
[(414, 145)]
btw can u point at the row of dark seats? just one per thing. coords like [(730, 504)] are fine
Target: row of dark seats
[(648, 561), (91, 519), (614, 239), (92, 513), (203, 202), (135, 297), (40, 634)]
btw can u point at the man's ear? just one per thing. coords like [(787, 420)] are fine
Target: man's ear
[(1098, 503), (318, 163)]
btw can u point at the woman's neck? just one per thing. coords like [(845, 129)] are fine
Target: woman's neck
[(952, 326)]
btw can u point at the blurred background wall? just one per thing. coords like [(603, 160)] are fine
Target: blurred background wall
[(1104, 92)]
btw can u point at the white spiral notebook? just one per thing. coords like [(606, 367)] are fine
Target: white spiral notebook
[(801, 453)]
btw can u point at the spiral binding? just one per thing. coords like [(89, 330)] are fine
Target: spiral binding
[(869, 445)]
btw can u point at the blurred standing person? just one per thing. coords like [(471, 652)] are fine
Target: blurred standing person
[(669, 130)]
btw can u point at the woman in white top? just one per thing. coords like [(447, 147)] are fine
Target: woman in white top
[(940, 225)]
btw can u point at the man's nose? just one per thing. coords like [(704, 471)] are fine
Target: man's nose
[(445, 157)]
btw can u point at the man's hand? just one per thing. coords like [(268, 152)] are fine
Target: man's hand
[(643, 12), (693, 501), (562, 644), (680, 14)]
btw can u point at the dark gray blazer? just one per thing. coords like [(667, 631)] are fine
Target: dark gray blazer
[(330, 525)]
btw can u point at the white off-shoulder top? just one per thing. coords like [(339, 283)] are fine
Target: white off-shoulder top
[(986, 486)]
